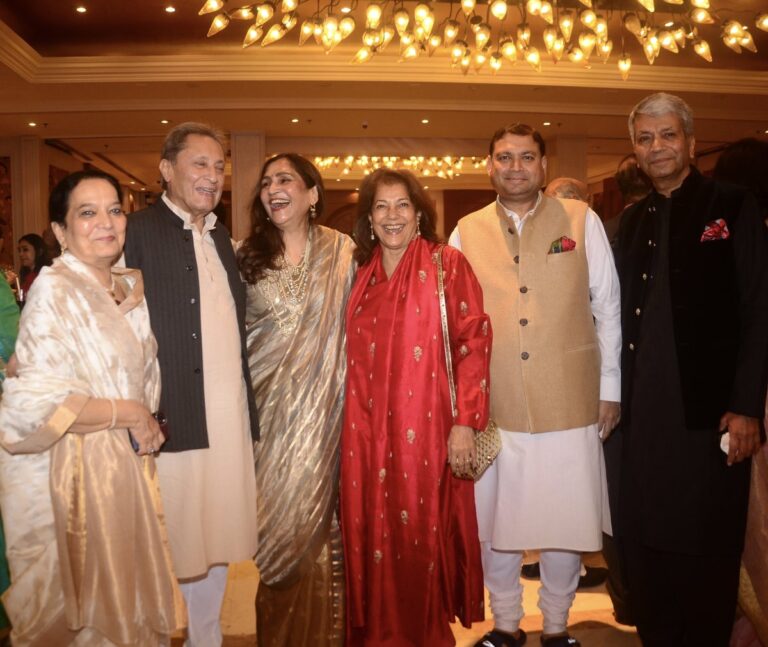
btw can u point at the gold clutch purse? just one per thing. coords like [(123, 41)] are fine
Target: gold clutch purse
[(487, 441)]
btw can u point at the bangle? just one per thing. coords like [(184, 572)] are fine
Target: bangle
[(113, 404)]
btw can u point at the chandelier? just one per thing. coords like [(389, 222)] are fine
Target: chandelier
[(486, 36), (446, 167)]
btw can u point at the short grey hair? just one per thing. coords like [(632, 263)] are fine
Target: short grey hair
[(568, 187), (176, 140), (660, 104)]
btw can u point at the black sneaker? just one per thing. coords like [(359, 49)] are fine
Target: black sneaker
[(497, 638), (560, 641)]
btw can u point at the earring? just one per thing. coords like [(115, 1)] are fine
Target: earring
[(372, 236), (312, 211), (418, 229)]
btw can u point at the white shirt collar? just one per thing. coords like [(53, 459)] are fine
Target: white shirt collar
[(209, 221), (515, 216)]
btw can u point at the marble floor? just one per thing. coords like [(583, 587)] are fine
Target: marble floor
[(591, 619)]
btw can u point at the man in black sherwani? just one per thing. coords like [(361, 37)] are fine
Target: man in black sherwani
[(693, 264)]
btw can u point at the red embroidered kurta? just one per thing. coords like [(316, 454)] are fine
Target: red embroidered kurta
[(409, 526)]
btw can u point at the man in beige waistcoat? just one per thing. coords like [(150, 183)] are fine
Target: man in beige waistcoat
[(551, 289)]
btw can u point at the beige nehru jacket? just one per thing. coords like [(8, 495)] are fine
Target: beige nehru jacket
[(545, 364)]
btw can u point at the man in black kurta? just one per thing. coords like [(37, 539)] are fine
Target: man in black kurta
[(693, 265)]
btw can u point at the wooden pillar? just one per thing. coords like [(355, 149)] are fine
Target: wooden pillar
[(248, 151)]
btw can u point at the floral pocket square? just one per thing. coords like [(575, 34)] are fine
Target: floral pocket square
[(562, 244), (715, 230)]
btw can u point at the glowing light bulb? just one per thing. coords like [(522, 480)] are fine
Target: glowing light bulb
[(373, 15), (252, 35), (210, 6), (546, 12), (468, 6), (307, 30), (275, 33), (587, 42), (761, 22), (588, 18), (219, 22), (533, 57), (264, 13), (499, 9), (533, 7), (566, 24), (450, 32), (363, 54), (495, 64), (482, 35), (702, 17), (550, 36), (402, 19), (346, 26), (508, 50), (625, 65), (701, 47)]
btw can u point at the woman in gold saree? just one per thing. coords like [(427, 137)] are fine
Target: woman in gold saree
[(299, 274), (87, 549)]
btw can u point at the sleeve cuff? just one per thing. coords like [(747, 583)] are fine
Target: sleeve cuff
[(610, 389)]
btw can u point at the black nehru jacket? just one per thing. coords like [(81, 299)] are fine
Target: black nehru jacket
[(158, 245), (719, 295)]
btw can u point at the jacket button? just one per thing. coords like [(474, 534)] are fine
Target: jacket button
[(650, 242), (186, 238), (193, 300), (516, 259), (645, 276), (523, 322), (631, 346), (194, 335), (523, 289), (637, 311), (197, 370), (188, 268), (524, 355)]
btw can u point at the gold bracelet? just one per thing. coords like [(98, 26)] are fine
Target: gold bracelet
[(114, 413)]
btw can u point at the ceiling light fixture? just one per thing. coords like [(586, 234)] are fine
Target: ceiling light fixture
[(446, 167), (164, 121), (81, 9), (295, 120), (475, 37), (32, 124), (170, 9), (547, 123), (425, 121)]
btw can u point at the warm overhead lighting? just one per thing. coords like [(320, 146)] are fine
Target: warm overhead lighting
[(170, 9), (210, 6), (547, 123), (164, 121), (133, 182), (32, 124), (295, 120), (425, 121), (81, 9), (480, 39), (446, 167)]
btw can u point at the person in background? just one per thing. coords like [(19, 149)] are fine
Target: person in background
[(745, 163), (693, 263), (634, 185), (196, 299), (569, 188), (32, 258), (409, 526), (9, 328), (548, 276), (85, 538), (298, 276)]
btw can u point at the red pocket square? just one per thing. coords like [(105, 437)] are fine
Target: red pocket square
[(715, 230), (562, 244)]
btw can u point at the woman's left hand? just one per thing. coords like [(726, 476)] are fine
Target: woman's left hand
[(462, 451)]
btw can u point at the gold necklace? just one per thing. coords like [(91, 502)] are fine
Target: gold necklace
[(284, 290)]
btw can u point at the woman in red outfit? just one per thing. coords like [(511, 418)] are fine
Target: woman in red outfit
[(409, 527)]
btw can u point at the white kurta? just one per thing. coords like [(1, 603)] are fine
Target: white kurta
[(209, 495), (548, 490)]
